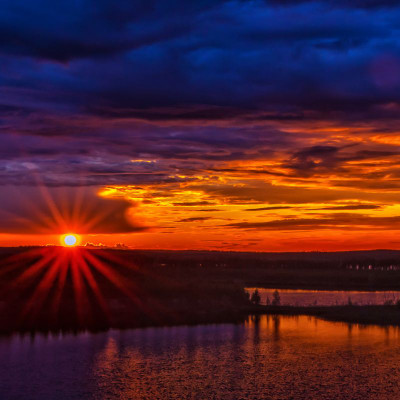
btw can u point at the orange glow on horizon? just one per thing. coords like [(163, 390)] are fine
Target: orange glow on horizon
[(340, 192)]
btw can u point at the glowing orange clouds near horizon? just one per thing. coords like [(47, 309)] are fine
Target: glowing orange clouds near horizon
[(332, 187)]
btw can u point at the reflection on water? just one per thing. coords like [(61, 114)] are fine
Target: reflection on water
[(326, 297), (269, 357)]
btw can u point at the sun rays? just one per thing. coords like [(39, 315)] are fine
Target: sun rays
[(56, 280)]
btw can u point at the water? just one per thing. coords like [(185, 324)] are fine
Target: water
[(326, 297), (265, 358)]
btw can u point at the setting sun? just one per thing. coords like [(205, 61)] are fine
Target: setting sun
[(69, 240)]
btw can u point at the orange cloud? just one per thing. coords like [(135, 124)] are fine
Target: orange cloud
[(59, 210)]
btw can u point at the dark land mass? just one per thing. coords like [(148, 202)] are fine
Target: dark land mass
[(55, 288)]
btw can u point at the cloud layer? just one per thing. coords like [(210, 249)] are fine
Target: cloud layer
[(207, 115), (38, 210)]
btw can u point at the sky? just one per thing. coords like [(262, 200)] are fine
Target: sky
[(221, 125)]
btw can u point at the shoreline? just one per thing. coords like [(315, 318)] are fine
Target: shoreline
[(143, 289), (379, 315), (323, 289)]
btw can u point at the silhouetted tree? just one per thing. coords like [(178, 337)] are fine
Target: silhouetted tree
[(255, 297), (276, 299), (349, 302)]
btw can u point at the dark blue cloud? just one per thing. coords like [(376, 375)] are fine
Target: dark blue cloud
[(90, 85), (147, 54)]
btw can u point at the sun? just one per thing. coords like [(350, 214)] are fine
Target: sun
[(69, 240)]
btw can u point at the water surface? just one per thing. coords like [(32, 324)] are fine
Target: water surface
[(327, 297), (265, 358)]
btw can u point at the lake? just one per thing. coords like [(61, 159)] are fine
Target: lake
[(268, 357), (326, 297)]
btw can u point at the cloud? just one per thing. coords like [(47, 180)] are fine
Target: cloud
[(55, 211), (193, 203), (194, 219), (118, 246), (334, 221), (229, 105), (63, 32), (80, 57), (269, 208), (349, 207), (342, 3)]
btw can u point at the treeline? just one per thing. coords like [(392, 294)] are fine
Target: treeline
[(247, 260)]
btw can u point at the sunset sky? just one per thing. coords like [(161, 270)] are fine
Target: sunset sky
[(229, 125)]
